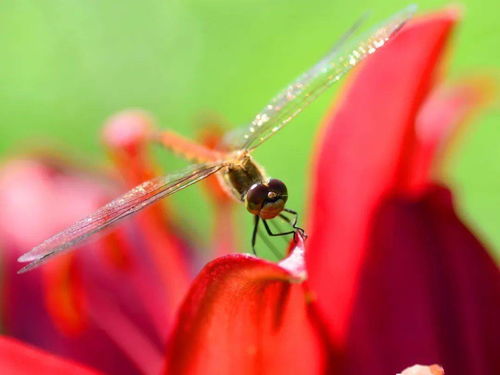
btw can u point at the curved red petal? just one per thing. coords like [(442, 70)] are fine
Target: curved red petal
[(363, 152), (17, 358), (429, 293), (244, 315), (439, 119)]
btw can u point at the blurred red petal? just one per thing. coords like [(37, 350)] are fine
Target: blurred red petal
[(38, 199), (49, 306), (28, 190), (128, 131), (440, 118), (244, 315), (17, 358), (64, 294), (363, 153), (429, 293)]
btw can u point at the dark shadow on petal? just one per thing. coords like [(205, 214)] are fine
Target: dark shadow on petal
[(429, 293)]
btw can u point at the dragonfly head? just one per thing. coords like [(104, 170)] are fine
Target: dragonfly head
[(266, 200)]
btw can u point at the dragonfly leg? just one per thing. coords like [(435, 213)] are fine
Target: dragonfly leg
[(278, 228), (295, 216), (270, 245), (254, 234), (294, 222), (268, 230)]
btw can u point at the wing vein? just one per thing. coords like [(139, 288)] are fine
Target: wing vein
[(132, 201), (345, 54)]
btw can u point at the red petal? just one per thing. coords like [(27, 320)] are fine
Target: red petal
[(429, 293), (244, 315), (362, 154), (439, 119), (17, 358)]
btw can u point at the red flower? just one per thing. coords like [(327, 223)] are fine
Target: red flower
[(391, 276)]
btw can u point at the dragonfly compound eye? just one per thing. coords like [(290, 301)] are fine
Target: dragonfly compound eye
[(277, 190), (255, 198), (275, 201), (267, 201)]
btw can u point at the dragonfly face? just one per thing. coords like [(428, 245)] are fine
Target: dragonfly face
[(245, 181), (241, 173), (241, 176)]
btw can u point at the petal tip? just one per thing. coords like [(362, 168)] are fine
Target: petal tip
[(127, 129), (294, 262), (423, 370)]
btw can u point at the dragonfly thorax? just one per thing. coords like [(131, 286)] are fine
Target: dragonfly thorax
[(239, 175)]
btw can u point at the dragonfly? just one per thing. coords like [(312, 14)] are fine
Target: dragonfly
[(239, 174)]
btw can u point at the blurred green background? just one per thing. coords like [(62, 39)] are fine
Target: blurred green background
[(66, 65)]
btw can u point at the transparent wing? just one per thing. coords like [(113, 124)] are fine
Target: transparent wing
[(130, 202), (345, 54)]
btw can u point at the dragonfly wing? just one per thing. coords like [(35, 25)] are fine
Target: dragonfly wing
[(345, 54), (130, 202)]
